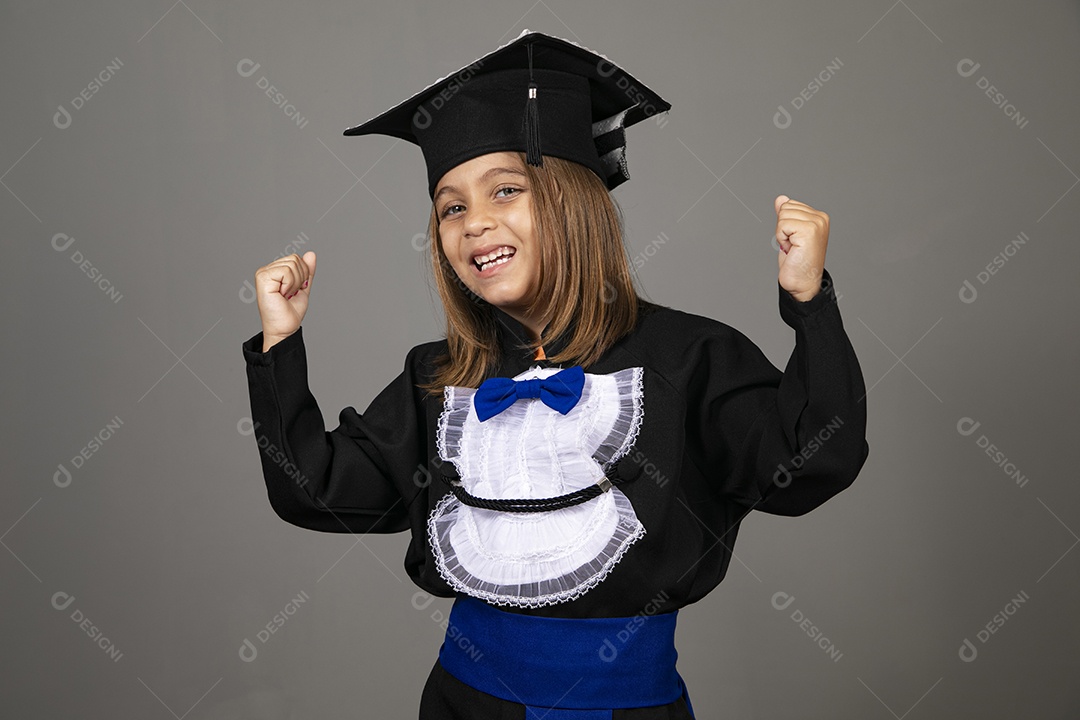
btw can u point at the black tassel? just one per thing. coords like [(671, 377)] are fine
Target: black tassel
[(532, 128), (532, 121)]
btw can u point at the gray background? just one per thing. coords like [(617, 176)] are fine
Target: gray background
[(179, 177)]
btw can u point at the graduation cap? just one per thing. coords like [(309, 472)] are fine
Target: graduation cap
[(539, 94)]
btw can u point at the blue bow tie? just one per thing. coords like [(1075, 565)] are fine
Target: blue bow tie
[(560, 391)]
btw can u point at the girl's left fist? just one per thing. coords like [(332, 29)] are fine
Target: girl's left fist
[(803, 234)]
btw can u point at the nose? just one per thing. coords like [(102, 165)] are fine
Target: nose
[(478, 219)]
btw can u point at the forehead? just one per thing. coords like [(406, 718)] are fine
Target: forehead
[(472, 170)]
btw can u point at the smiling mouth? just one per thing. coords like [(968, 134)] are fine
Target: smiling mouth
[(493, 259)]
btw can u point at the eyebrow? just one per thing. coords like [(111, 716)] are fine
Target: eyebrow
[(483, 178)]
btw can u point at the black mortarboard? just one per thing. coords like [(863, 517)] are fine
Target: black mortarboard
[(537, 94)]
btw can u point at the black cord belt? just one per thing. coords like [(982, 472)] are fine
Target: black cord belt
[(529, 504)]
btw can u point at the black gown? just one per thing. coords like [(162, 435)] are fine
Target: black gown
[(722, 432)]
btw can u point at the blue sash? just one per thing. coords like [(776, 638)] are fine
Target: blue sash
[(564, 668)]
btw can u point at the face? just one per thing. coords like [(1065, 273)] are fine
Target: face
[(484, 206)]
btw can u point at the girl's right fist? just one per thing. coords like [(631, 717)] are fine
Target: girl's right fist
[(282, 289)]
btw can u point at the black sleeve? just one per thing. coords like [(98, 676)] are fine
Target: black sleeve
[(349, 479), (786, 442)]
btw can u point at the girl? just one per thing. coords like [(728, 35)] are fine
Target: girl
[(572, 461)]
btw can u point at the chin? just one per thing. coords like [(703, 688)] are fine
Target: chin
[(504, 301), (504, 297)]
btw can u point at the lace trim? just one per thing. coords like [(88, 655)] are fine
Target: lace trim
[(620, 440), (451, 420), (525, 590)]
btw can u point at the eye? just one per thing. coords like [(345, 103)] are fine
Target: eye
[(446, 211), (508, 187)]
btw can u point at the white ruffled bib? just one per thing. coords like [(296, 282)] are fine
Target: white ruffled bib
[(532, 451)]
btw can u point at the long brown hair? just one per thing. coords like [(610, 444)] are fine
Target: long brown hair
[(585, 285)]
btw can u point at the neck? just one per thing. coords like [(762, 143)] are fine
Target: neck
[(534, 326)]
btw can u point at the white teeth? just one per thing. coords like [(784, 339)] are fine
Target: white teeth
[(498, 257), (493, 263)]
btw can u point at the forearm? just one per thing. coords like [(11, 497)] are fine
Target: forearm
[(327, 481), (821, 406)]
